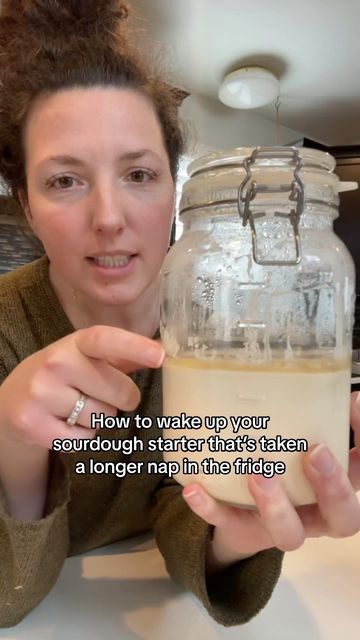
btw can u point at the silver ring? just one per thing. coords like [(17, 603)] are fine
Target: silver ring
[(78, 407)]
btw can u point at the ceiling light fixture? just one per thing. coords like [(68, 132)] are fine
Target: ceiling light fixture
[(249, 88)]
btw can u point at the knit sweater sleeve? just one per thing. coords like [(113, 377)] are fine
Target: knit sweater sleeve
[(32, 553), (233, 596)]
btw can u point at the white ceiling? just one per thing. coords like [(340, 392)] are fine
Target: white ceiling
[(313, 46)]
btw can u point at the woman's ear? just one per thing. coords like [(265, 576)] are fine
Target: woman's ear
[(25, 206)]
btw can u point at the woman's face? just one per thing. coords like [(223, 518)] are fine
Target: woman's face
[(100, 191)]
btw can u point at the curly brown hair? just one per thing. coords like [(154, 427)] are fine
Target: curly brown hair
[(51, 45)]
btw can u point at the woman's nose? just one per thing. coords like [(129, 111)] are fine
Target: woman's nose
[(108, 209)]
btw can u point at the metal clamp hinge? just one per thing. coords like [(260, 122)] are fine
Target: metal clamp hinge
[(249, 189)]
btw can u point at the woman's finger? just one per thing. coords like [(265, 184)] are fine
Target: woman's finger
[(106, 384), (60, 405), (277, 513), (46, 429), (122, 349), (95, 378), (337, 501), (209, 509), (91, 407), (276, 522)]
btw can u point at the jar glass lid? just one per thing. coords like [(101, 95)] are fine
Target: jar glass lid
[(275, 157)]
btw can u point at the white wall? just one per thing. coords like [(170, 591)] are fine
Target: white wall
[(213, 126)]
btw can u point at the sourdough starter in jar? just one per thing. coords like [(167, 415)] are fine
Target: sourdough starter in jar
[(256, 320), (314, 393)]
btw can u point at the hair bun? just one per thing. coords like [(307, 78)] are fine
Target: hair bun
[(54, 19)]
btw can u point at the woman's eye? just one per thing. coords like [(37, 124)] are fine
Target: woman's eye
[(65, 182), (62, 182), (139, 175)]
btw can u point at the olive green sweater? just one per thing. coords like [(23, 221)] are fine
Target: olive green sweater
[(88, 511)]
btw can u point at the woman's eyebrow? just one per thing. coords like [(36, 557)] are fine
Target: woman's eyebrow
[(63, 159), (71, 160), (134, 155)]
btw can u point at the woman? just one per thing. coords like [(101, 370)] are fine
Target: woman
[(90, 147)]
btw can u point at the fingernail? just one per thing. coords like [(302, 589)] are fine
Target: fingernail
[(155, 356), (322, 459), (267, 484), (194, 497)]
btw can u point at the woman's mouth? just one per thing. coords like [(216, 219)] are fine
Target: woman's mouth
[(116, 265), (111, 262)]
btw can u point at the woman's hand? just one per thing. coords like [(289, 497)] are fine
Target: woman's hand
[(240, 533), (38, 396)]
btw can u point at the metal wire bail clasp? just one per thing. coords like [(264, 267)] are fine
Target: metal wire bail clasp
[(249, 189)]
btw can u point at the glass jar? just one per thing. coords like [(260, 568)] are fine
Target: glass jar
[(256, 320)]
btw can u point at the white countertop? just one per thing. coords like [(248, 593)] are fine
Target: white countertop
[(122, 592)]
